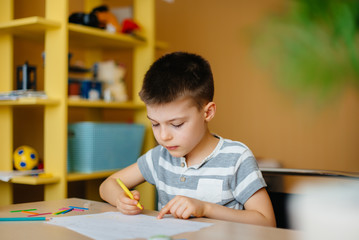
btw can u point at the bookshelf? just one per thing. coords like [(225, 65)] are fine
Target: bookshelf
[(56, 35)]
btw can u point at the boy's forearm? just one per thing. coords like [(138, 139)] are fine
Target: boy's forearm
[(220, 212), (109, 191)]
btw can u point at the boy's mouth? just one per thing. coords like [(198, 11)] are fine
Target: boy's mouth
[(171, 148)]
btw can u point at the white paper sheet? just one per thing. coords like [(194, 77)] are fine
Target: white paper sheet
[(115, 225)]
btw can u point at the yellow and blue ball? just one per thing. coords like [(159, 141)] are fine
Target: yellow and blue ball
[(25, 158)]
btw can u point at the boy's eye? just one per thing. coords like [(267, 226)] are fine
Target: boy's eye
[(177, 125), (155, 124)]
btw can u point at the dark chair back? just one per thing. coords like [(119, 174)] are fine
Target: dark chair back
[(280, 202)]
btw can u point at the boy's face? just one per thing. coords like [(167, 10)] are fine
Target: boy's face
[(179, 126)]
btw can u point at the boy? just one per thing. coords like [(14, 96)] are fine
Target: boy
[(196, 173)]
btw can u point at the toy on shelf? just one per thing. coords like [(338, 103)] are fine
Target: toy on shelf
[(26, 85), (26, 77), (112, 75), (25, 158), (84, 19), (84, 88), (80, 84), (102, 17), (106, 19)]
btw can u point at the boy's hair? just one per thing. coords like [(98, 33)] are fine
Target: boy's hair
[(176, 75)]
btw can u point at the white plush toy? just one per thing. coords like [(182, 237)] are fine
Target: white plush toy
[(112, 75)]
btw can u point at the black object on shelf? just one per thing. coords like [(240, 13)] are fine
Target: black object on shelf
[(26, 77), (77, 69)]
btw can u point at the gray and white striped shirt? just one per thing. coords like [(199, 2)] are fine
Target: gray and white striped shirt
[(229, 176)]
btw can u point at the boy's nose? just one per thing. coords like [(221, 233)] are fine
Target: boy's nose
[(165, 134)]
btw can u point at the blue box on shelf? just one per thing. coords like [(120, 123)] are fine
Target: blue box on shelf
[(103, 146), (87, 86), (82, 87)]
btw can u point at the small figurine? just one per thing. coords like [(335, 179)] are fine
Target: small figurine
[(26, 77)]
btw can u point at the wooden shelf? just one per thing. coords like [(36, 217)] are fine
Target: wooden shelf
[(29, 28), (29, 102), (83, 36), (103, 104), (71, 177), (34, 180)]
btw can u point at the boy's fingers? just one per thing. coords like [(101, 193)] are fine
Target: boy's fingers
[(136, 195), (127, 201), (133, 203), (163, 211), (186, 214), (166, 209), (129, 211)]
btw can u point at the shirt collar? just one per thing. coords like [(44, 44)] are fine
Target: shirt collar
[(210, 156)]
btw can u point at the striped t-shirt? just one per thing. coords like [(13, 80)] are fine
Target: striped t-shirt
[(229, 176)]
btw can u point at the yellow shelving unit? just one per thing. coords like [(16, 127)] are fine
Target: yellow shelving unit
[(28, 28), (57, 35), (71, 177), (103, 104), (30, 180), (29, 102), (91, 37)]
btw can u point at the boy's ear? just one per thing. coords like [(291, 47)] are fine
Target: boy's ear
[(209, 111)]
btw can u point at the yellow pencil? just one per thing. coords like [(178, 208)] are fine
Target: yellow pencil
[(123, 186)]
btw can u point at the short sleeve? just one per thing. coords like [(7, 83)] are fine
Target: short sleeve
[(148, 163), (248, 178)]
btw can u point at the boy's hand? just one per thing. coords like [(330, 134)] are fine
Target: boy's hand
[(183, 207), (127, 205)]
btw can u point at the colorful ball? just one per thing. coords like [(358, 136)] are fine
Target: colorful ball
[(25, 158)]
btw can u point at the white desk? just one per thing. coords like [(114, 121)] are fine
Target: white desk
[(39, 230)]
